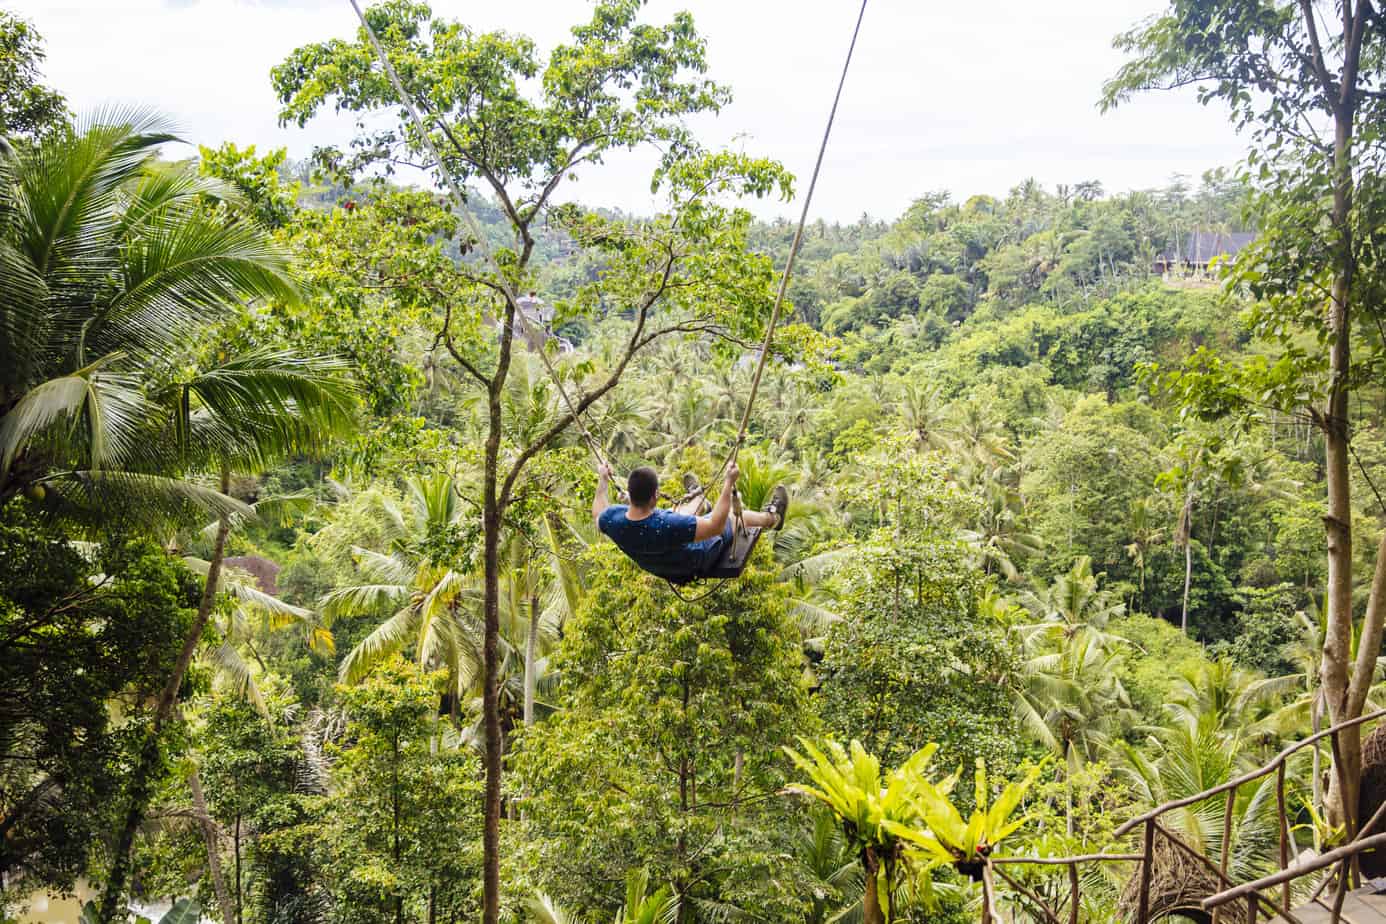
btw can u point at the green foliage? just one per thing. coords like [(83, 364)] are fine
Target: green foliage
[(80, 629), (966, 844), (665, 753), (880, 814), (912, 661), (985, 412), (104, 404), (398, 832), (1083, 479), (1268, 626), (1165, 653), (267, 198), (184, 911), (28, 109)]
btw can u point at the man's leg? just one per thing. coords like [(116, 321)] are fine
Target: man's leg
[(693, 506), (760, 518)]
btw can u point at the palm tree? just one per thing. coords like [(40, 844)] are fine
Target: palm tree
[(1075, 606), (110, 264), (436, 608), (923, 412), (1230, 697), (1071, 702), (1145, 531), (433, 605), (827, 856), (1190, 756), (997, 538), (975, 431)]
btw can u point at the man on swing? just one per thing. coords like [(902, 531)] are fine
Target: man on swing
[(677, 545)]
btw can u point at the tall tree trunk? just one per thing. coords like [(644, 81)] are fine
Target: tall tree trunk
[(531, 657), (1186, 532), (394, 808), (1188, 582), (236, 843), (113, 905), (1337, 654), (213, 842), (490, 699)]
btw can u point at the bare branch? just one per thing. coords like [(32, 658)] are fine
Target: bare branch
[(1317, 64)]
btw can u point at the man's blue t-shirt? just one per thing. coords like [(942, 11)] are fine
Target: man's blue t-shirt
[(662, 543)]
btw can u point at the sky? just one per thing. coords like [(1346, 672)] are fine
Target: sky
[(964, 97)]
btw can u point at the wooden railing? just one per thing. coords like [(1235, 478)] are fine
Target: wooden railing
[(1256, 894)]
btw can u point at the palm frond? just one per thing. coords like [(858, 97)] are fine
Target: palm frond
[(359, 599), (134, 498), (386, 639)]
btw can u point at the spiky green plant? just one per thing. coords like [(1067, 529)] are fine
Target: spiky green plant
[(874, 810)]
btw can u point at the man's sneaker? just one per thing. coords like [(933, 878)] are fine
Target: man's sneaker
[(779, 505)]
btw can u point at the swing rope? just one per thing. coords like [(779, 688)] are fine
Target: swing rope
[(793, 250)]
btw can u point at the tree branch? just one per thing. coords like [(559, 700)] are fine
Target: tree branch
[(633, 345), (1317, 64), (445, 337)]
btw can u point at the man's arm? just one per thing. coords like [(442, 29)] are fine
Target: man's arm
[(716, 521), (600, 501)]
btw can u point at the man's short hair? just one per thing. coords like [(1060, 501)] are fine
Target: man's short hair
[(643, 486)]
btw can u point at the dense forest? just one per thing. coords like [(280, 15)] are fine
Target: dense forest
[(304, 615)]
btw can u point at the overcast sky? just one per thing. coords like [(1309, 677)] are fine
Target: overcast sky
[(965, 97)]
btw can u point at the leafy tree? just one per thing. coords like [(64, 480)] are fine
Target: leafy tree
[(663, 756), (1082, 479), (80, 628), (397, 831), (249, 763), (617, 85), (1303, 80), (105, 409), (28, 109), (912, 661), (265, 195)]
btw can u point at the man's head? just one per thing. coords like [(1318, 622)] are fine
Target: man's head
[(643, 486)]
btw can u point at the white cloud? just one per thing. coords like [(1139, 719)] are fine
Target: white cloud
[(972, 101)]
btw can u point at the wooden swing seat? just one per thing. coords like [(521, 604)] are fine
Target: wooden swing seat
[(733, 559)]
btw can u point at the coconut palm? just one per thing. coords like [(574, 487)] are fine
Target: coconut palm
[(1146, 531), (249, 617), (1191, 755), (976, 431), (1229, 696), (997, 538), (1071, 702), (433, 605), (1075, 605), (111, 263), (827, 856), (435, 610), (923, 412)]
